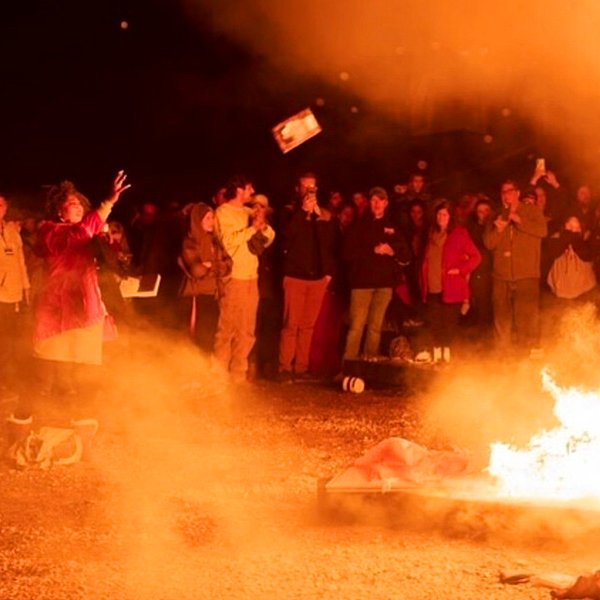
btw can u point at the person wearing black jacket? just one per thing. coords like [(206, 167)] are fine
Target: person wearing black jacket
[(308, 265), (375, 252)]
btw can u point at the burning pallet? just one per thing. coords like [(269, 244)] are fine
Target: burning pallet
[(402, 484)]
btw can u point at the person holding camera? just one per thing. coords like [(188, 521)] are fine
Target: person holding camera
[(515, 240), (308, 265)]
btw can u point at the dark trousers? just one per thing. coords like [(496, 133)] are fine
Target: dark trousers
[(517, 311), (481, 300), (207, 317), (443, 320)]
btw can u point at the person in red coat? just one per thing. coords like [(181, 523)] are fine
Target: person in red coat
[(70, 317), (449, 259)]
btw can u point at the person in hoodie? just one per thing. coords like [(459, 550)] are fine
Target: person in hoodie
[(577, 279), (374, 252), (204, 264)]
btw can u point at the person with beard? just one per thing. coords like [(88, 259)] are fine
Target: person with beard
[(237, 227), (308, 244), (515, 239)]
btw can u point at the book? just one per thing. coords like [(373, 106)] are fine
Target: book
[(145, 286), (296, 130)]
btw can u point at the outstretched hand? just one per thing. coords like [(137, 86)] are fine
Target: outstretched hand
[(119, 186)]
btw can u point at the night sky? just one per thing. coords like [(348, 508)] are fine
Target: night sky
[(181, 106)]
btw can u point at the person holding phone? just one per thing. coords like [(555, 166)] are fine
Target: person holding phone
[(308, 244), (515, 239)]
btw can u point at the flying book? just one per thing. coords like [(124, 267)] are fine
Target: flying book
[(296, 130), (145, 286)]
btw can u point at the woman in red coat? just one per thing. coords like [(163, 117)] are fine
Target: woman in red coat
[(70, 317), (449, 259)]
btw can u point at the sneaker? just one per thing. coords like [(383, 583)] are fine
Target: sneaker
[(285, 377), (423, 357), (339, 377)]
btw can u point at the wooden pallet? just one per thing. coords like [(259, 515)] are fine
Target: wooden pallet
[(470, 510)]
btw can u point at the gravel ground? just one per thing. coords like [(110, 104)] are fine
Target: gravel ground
[(198, 491)]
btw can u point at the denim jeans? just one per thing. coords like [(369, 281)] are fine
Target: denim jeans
[(367, 307)]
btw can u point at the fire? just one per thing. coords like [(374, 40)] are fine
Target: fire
[(560, 464)]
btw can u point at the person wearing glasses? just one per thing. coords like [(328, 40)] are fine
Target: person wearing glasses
[(515, 239)]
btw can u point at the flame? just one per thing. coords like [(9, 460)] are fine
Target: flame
[(560, 464)]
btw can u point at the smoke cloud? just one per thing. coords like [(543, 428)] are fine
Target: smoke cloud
[(439, 64)]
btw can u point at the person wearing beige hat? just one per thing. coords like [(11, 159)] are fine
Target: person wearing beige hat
[(260, 201)]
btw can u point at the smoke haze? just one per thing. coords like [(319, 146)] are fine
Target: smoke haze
[(440, 64)]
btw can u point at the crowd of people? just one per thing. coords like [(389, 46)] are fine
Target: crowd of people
[(291, 294)]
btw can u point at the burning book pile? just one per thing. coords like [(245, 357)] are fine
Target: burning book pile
[(550, 486)]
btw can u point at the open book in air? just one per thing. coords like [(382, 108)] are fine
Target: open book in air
[(296, 130), (145, 286)]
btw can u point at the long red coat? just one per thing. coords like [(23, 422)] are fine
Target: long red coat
[(459, 252), (70, 296)]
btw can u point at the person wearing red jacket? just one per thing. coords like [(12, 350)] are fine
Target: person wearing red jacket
[(70, 317), (449, 259)]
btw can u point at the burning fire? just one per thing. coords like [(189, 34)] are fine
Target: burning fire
[(560, 464)]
